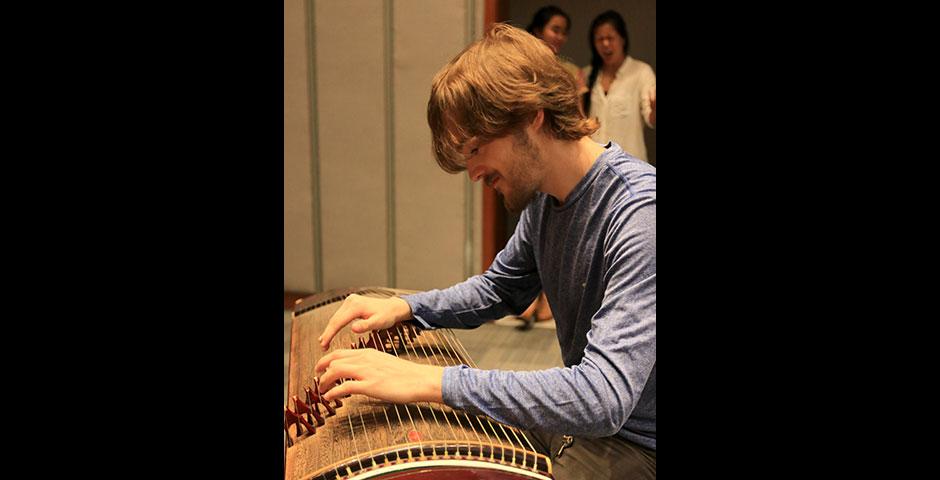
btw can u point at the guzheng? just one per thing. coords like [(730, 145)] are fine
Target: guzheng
[(359, 437)]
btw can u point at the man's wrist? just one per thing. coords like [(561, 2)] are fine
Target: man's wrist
[(434, 386), (403, 310)]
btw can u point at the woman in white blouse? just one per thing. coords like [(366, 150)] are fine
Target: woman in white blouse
[(621, 89)]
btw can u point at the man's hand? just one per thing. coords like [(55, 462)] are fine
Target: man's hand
[(379, 375), (373, 314)]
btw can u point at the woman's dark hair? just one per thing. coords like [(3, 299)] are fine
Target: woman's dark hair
[(616, 21), (542, 17)]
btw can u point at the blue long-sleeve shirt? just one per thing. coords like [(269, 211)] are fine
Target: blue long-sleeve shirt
[(595, 258)]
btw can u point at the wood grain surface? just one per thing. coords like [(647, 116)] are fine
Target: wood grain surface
[(364, 437)]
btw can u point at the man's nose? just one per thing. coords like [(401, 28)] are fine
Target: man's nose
[(475, 174)]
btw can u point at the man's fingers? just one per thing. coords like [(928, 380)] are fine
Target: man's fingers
[(337, 321), (337, 369), (336, 355), (348, 387), (331, 357), (346, 313), (364, 315), (367, 324)]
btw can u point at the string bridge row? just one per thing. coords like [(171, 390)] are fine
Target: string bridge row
[(307, 412)]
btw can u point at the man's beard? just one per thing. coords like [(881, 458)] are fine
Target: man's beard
[(524, 174)]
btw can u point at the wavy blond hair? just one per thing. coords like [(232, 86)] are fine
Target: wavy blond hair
[(494, 87)]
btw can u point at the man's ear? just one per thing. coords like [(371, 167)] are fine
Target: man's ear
[(536, 125)]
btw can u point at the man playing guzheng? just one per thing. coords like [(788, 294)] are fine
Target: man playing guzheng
[(507, 112)]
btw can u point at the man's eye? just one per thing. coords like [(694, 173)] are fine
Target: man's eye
[(473, 151)]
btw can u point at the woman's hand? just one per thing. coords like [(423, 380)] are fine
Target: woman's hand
[(653, 107), (581, 83)]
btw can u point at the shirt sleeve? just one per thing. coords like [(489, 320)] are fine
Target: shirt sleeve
[(508, 287), (595, 397)]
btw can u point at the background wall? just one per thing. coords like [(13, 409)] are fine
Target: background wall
[(299, 255), (640, 16), (364, 201)]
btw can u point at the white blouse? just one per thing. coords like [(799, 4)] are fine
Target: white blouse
[(620, 111)]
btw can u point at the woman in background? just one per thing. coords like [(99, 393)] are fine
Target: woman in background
[(621, 90), (551, 24)]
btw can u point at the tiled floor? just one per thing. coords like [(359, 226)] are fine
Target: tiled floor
[(493, 345), (501, 345)]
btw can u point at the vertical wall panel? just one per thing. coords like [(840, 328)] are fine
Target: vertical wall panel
[(351, 127), (299, 261), (477, 195), (431, 214), (365, 81)]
